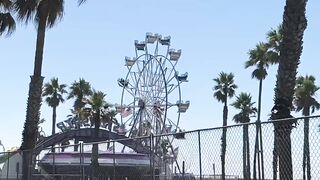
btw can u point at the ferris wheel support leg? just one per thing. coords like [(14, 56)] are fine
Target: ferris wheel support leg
[(175, 159)]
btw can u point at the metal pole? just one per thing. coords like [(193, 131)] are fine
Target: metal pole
[(81, 165), (53, 162), (17, 170), (151, 157), (200, 164), (183, 170), (8, 161), (214, 171), (261, 147), (114, 160)]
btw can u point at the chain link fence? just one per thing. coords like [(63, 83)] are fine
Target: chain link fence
[(287, 148)]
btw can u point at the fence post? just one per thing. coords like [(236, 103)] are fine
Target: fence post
[(8, 161), (183, 170), (53, 162), (151, 157), (114, 159), (81, 161), (261, 147), (17, 170), (200, 164)]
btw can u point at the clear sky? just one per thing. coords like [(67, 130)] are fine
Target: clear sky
[(92, 40)]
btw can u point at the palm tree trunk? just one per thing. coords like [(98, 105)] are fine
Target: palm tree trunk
[(54, 117), (306, 148), (294, 25), (247, 152), (275, 156), (258, 129), (224, 140), (244, 153), (30, 131), (285, 156), (95, 148)]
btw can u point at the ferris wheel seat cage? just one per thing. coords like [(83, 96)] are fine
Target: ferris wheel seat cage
[(140, 45), (129, 61), (174, 55)]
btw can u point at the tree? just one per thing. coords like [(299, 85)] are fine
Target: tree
[(80, 91), (224, 89), (261, 57), (97, 106), (294, 24), (46, 13), (305, 101), (7, 23), (245, 105), (275, 37), (53, 91)]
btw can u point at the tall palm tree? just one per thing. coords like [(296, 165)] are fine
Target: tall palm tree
[(294, 24), (80, 91), (7, 23), (275, 37), (245, 105), (261, 57), (224, 89), (53, 91), (46, 13), (97, 106), (305, 101)]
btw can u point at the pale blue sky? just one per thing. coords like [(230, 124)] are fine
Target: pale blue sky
[(92, 40)]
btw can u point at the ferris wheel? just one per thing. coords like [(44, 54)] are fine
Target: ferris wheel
[(151, 93)]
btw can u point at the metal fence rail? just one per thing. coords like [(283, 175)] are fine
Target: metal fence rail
[(188, 155)]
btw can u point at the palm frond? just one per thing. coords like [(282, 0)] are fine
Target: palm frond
[(26, 9), (7, 24)]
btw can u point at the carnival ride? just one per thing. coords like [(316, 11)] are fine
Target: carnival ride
[(151, 106)]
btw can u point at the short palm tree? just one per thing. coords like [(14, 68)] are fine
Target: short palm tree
[(245, 105), (224, 89), (7, 22), (45, 13), (53, 92), (97, 105), (80, 91), (305, 101), (294, 24)]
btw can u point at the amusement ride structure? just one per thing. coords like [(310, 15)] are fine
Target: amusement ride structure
[(151, 105)]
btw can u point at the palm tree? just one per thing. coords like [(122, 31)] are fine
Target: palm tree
[(304, 100), (108, 119), (275, 37), (46, 13), (53, 91), (7, 23), (80, 91), (244, 104), (224, 89), (261, 57), (294, 24), (97, 106)]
